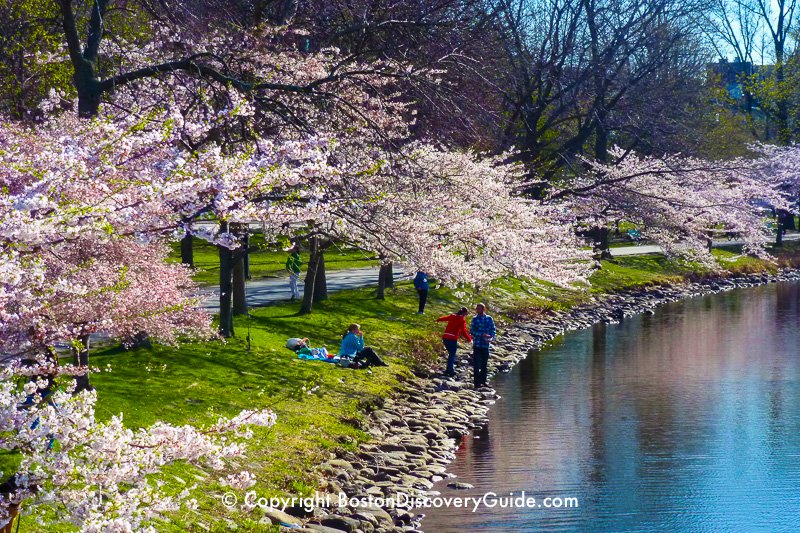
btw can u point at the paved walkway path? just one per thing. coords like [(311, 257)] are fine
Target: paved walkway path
[(655, 249), (267, 291)]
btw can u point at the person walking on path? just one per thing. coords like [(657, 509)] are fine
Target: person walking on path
[(421, 284), (293, 264), (483, 332), (455, 329)]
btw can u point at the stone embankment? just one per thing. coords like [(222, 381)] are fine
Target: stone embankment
[(417, 432)]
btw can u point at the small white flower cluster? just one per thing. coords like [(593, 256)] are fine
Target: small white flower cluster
[(239, 480)]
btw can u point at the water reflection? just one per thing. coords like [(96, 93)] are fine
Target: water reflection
[(688, 420)]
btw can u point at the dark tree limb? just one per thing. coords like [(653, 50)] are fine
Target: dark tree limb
[(225, 287), (311, 276), (80, 357), (187, 250)]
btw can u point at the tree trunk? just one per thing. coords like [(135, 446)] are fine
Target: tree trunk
[(285, 11), (80, 357), (138, 340), (389, 275), (13, 514), (384, 274), (225, 288), (187, 251), (600, 242), (311, 277), (381, 293), (784, 133), (601, 140), (786, 219), (89, 91), (239, 286), (321, 280), (84, 59)]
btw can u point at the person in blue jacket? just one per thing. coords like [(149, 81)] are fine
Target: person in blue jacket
[(483, 332), (421, 284)]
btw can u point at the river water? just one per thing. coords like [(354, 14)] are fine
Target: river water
[(688, 420)]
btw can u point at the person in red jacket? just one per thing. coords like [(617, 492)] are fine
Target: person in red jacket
[(456, 327)]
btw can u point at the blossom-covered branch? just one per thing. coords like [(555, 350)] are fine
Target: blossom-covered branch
[(676, 201)]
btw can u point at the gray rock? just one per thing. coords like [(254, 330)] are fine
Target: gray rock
[(418, 449), (380, 475), (376, 511), (460, 485), (366, 516), (341, 464), (392, 448), (279, 517), (384, 416), (319, 528), (343, 523), (374, 490), (366, 526)]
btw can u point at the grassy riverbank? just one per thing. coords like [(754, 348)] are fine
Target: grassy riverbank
[(320, 407)]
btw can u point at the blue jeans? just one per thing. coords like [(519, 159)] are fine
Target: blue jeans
[(423, 297), (293, 278), (452, 347), (480, 360)]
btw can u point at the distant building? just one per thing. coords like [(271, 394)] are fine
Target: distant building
[(730, 75)]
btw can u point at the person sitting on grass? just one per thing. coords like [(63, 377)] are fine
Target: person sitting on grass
[(304, 351), (353, 347)]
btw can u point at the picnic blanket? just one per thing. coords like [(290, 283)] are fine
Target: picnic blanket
[(317, 354)]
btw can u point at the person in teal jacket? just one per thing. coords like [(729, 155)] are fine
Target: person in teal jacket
[(353, 347)]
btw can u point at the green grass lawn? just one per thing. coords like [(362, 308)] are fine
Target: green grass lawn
[(269, 261), (655, 269), (202, 380)]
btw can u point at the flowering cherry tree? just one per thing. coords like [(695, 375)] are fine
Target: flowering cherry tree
[(172, 52), (135, 180), (84, 209), (120, 288), (455, 215), (678, 202), (781, 165)]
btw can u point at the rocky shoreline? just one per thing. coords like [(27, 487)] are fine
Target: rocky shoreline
[(416, 433)]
